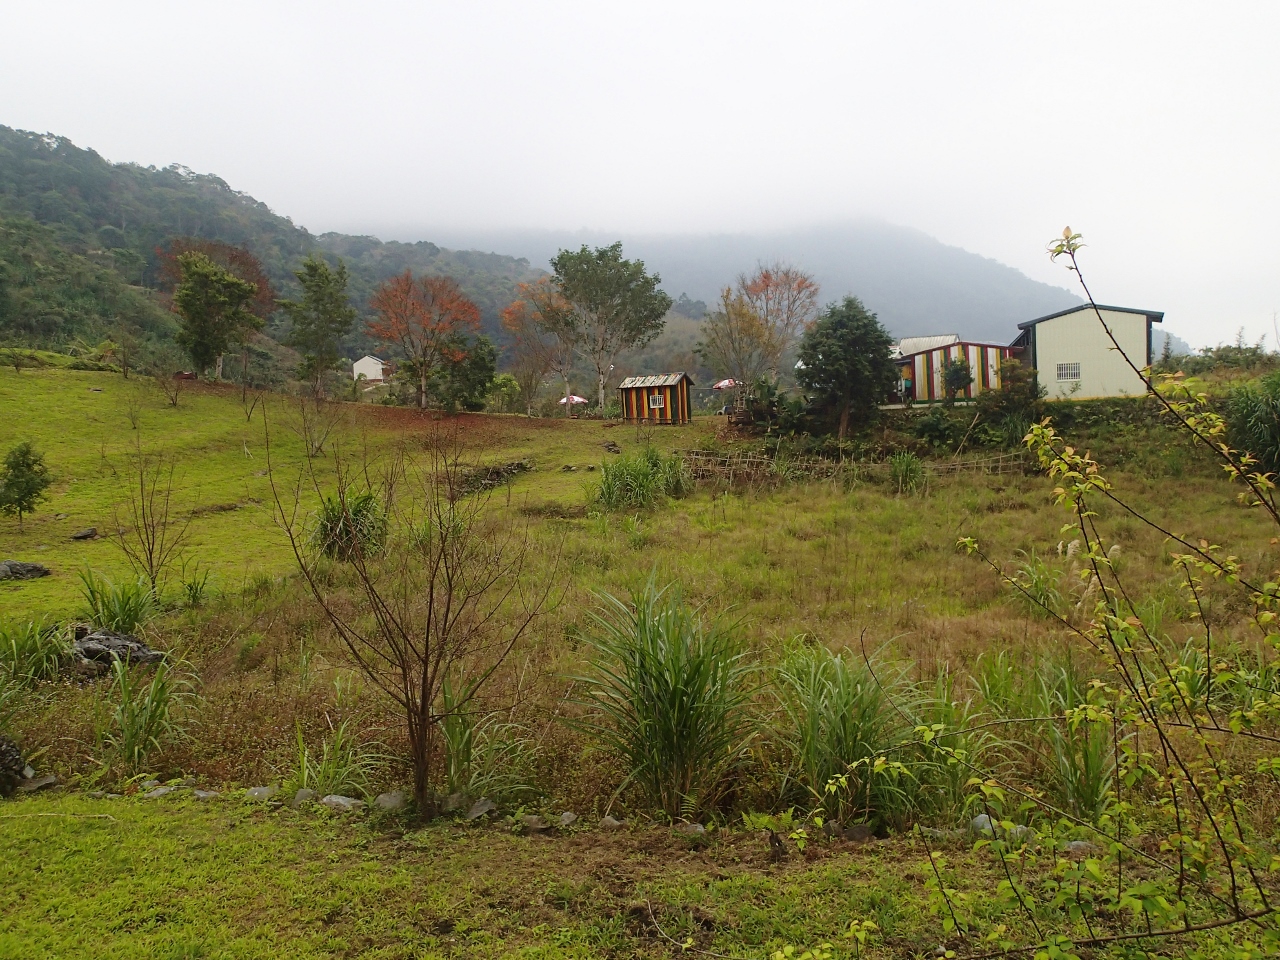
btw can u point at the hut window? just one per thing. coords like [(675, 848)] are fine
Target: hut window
[(1068, 371), (657, 401)]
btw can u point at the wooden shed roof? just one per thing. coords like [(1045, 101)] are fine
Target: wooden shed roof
[(661, 380)]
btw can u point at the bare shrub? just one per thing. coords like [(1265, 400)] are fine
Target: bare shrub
[(148, 531)]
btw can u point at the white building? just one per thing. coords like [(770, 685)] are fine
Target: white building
[(1076, 359), (368, 367)]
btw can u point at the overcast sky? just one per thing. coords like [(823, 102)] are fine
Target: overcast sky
[(1152, 128)]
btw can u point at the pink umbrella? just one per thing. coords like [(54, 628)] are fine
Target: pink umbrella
[(725, 384), (574, 398)]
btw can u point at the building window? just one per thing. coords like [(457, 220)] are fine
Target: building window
[(657, 401), (1068, 371)]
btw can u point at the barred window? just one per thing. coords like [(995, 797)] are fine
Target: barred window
[(1068, 371), (657, 401)]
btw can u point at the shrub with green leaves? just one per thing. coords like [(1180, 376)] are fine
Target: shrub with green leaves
[(1253, 418), (145, 711), (31, 652), (670, 695), (483, 755), (343, 766), (123, 608), (350, 526), (906, 472), (642, 481)]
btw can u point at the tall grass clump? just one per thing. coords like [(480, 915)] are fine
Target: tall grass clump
[(845, 735), (145, 711), (642, 481), (122, 607), (350, 525), (1081, 745), (31, 652), (1253, 420), (669, 694), (484, 756), (343, 765), (906, 472)]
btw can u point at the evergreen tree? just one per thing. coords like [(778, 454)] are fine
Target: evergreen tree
[(213, 304), (321, 318), (23, 482), (845, 362)]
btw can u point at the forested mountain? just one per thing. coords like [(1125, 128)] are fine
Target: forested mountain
[(916, 284), (114, 216)]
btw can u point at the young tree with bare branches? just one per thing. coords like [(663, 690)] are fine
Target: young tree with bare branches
[(149, 533), (785, 298), (735, 342), (543, 336)]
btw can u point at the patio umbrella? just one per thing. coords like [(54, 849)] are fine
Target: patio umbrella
[(725, 384), (574, 398)]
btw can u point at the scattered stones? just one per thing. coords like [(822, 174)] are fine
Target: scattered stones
[(389, 801), (302, 796), (611, 447), (18, 570), (568, 818), (158, 792), (88, 533), (591, 468), (96, 651), (486, 478), (568, 468), (61, 516), (96, 794), (187, 782), (341, 804), (691, 829), (43, 783), (149, 784), (260, 793), (534, 823), (983, 825), (1079, 849), (1020, 834), (609, 823), (480, 808), (935, 834), (859, 833), (453, 802), (205, 794)]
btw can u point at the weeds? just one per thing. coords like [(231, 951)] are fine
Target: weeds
[(484, 757), (906, 472), (350, 526), (670, 696), (123, 608), (145, 712), (31, 652), (344, 766), (642, 481)]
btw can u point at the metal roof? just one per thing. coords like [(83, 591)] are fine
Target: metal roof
[(661, 380), (1155, 315), (910, 345)]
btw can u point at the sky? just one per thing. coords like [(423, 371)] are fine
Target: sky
[(1151, 128)]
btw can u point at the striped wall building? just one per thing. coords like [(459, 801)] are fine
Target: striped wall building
[(660, 399), (920, 372)]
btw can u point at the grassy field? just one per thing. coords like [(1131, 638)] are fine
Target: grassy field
[(847, 564)]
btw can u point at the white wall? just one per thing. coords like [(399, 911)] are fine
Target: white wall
[(1078, 337), (370, 367)]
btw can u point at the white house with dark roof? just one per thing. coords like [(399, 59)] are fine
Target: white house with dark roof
[(1075, 357), (371, 368)]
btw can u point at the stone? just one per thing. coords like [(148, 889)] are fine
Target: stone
[(859, 833), (534, 823), (935, 834), (61, 516), (149, 784), (187, 782), (1080, 849), (609, 823), (88, 533), (260, 793), (389, 801), (691, 829), (205, 794), (103, 647), (96, 794), (480, 808), (43, 783), (18, 570), (28, 772), (454, 802), (1020, 834), (568, 468), (302, 796), (341, 804), (567, 818), (611, 447), (983, 825), (158, 792)]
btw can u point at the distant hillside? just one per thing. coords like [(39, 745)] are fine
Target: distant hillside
[(916, 284), (119, 213)]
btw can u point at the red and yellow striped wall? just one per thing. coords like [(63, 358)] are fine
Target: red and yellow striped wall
[(673, 406), (924, 370)]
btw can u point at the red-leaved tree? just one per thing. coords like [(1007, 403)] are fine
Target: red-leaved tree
[(425, 318), (540, 322), (785, 298)]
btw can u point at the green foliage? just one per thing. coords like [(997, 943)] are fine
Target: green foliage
[(31, 652), (214, 306), (1253, 420), (24, 481), (504, 394), (841, 723), (343, 766), (1229, 356), (937, 429), (464, 376), (669, 696), (845, 363), (1037, 586), (1020, 397), (122, 608), (321, 318), (956, 377), (642, 480), (145, 711), (350, 525), (906, 472), (1081, 744), (483, 756)]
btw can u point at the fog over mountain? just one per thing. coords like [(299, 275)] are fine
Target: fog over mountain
[(916, 284)]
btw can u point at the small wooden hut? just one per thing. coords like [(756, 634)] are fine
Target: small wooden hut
[(660, 399)]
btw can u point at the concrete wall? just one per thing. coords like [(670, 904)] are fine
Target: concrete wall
[(1079, 338)]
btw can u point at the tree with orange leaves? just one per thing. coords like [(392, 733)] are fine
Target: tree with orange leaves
[(543, 334), (785, 298), (425, 317)]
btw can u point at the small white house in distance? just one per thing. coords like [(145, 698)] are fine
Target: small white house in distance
[(368, 367), (1076, 359)]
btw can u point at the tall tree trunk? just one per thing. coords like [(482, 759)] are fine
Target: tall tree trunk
[(422, 387), (567, 404), (217, 370), (844, 422), (601, 392)]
